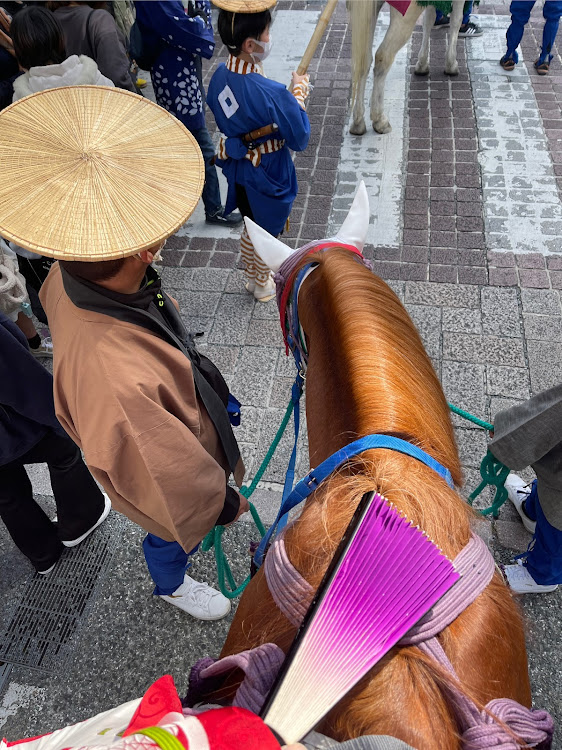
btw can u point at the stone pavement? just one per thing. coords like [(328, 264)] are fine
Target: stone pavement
[(466, 219)]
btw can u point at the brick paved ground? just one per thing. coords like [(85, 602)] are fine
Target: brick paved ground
[(466, 220)]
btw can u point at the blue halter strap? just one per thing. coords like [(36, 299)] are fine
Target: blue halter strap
[(316, 476)]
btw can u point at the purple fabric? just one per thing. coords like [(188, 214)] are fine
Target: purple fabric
[(260, 666), (291, 592)]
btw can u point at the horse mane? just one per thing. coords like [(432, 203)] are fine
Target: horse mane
[(396, 391)]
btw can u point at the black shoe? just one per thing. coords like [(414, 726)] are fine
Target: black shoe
[(470, 29), (442, 21), (232, 220)]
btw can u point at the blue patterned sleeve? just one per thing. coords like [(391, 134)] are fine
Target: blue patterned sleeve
[(170, 22)]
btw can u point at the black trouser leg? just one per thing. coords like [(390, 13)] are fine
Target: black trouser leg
[(26, 522), (79, 501)]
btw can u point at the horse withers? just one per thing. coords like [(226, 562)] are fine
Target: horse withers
[(363, 15), (368, 373)]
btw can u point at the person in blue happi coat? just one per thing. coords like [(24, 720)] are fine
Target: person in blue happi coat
[(183, 36), (520, 13), (261, 176)]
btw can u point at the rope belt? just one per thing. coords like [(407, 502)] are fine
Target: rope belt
[(254, 154), (292, 594)]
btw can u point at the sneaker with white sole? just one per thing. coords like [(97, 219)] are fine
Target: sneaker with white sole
[(470, 29), (518, 491), (45, 349), (199, 600), (265, 292), (101, 519), (522, 582)]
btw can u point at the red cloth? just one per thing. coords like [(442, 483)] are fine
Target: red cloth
[(236, 729), (160, 699), (400, 5)]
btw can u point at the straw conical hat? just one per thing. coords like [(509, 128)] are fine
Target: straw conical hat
[(244, 6), (94, 173)]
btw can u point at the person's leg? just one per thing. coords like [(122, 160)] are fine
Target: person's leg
[(520, 13), (211, 193), (30, 528), (552, 10), (167, 563), (467, 12), (80, 503), (544, 561)]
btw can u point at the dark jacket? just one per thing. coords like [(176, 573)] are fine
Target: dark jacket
[(9, 71), (95, 34), (27, 410)]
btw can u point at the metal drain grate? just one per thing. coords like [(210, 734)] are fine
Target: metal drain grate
[(43, 630)]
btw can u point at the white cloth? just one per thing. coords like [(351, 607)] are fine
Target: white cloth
[(74, 71)]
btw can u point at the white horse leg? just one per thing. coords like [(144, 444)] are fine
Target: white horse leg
[(363, 15), (399, 31), (451, 64), (429, 16)]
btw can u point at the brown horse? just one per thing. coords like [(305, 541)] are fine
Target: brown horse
[(368, 373)]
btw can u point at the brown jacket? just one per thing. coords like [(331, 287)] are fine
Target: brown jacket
[(128, 399)]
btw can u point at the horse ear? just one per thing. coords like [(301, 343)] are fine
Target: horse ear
[(354, 229), (273, 252)]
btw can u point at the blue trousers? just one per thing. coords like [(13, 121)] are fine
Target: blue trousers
[(167, 563), (520, 13), (466, 16), (544, 561), (211, 193)]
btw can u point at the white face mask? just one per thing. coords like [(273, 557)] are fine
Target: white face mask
[(259, 57)]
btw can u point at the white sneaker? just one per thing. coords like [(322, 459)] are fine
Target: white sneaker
[(518, 491), (522, 582), (199, 600), (265, 292), (101, 519), (44, 350)]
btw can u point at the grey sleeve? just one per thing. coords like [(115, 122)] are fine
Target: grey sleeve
[(109, 50), (315, 741)]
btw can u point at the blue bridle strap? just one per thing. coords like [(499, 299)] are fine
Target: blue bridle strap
[(316, 476)]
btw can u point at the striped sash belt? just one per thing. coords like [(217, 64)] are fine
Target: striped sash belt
[(255, 154)]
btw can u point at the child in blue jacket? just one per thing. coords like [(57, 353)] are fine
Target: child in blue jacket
[(261, 176)]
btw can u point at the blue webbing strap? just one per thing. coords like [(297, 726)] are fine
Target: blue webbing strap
[(316, 476)]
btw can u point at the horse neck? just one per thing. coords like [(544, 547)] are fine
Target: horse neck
[(368, 371)]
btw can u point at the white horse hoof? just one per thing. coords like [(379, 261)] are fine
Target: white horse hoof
[(453, 70), (382, 126), (358, 128), (421, 70)]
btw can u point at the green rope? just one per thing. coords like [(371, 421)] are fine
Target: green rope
[(471, 418), (227, 584), (492, 471), (164, 739)]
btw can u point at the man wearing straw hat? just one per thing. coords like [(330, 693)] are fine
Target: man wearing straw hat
[(146, 409)]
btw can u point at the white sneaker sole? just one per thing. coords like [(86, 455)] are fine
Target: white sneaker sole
[(101, 519), (531, 588)]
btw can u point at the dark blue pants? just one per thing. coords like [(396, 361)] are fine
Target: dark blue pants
[(211, 193), (167, 563), (544, 561), (466, 16), (520, 13)]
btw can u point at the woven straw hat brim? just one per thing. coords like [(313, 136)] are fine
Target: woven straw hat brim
[(94, 173), (244, 6)]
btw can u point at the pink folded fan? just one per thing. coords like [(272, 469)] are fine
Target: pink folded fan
[(385, 575)]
